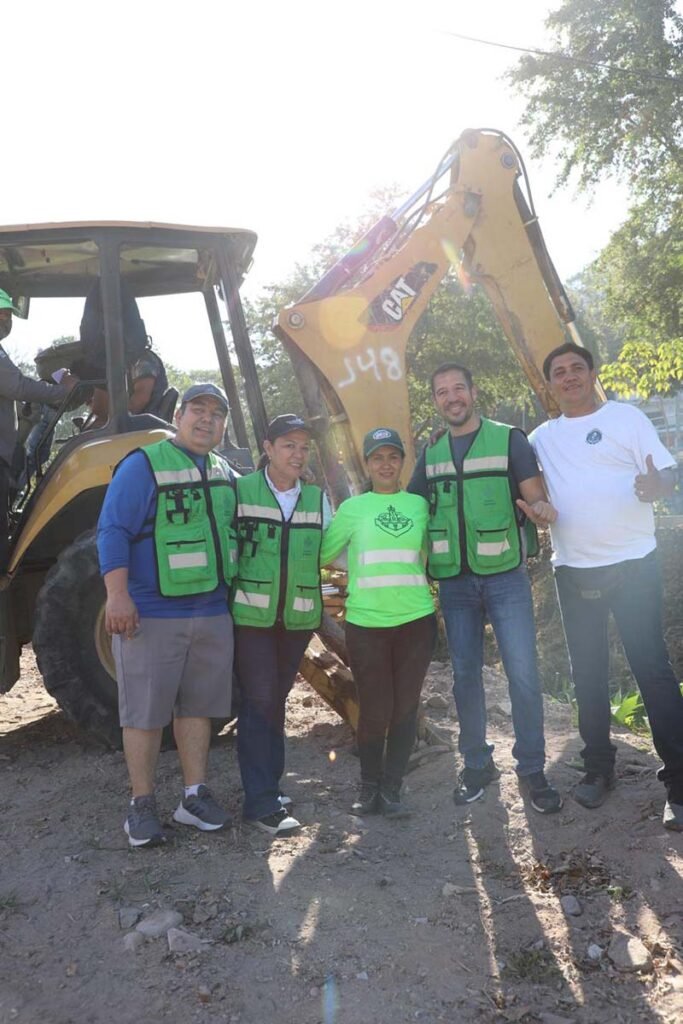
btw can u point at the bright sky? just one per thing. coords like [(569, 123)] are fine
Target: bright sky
[(277, 116)]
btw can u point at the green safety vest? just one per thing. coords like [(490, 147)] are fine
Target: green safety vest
[(278, 575), (194, 528), (473, 521)]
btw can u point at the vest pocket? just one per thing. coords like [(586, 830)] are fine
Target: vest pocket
[(304, 594), (252, 593), (491, 536), (441, 550), (187, 560)]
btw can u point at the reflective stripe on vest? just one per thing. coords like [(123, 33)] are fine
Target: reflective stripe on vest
[(163, 477), (195, 561), (309, 518), (440, 547), (440, 469), (489, 547), (246, 511), (482, 465), (303, 604), (254, 600)]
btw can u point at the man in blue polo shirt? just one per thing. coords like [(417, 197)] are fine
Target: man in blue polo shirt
[(167, 552)]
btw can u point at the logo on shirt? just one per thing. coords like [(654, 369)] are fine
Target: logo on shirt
[(393, 522), (593, 437)]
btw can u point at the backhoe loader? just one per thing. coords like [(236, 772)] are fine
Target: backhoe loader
[(346, 337)]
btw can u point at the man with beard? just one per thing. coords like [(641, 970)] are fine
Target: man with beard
[(15, 387), (483, 483)]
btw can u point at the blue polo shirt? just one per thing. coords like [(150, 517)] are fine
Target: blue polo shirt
[(129, 504)]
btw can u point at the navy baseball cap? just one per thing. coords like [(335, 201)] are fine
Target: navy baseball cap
[(208, 390), (380, 436), (285, 424)]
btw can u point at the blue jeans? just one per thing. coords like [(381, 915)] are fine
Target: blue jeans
[(505, 600), (266, 661), (632, 591)]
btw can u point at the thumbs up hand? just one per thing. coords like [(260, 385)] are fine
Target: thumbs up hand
[(648, 486)]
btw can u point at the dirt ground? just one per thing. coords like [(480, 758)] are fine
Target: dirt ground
[(452, 916)]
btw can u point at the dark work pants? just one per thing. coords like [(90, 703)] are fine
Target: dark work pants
[(266, 661), (632, 591), (389, 665)]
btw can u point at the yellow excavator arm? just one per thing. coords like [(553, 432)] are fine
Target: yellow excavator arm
[(353, 326)]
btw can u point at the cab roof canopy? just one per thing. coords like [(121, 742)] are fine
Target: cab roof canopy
[(47, 260)]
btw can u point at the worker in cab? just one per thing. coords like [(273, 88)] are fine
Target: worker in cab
[(276, 604), (16, 387)]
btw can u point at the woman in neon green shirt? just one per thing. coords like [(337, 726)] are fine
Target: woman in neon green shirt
[(390, 621)]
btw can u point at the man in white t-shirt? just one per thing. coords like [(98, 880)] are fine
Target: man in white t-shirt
[(604, 466)]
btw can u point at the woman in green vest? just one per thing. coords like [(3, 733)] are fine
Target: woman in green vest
[(390, 620), (276, 604)]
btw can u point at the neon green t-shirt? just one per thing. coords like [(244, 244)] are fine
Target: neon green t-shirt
[(386, 539)]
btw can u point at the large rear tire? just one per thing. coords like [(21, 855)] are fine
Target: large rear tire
[(72, 648)]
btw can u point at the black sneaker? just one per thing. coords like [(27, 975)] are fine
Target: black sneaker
[(593, 789), (280, 823), (542, 797), (142, 826), (367, 800), (202, 811), (389, 802), (473, 781)]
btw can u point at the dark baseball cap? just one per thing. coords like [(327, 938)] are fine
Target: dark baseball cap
[(205, 390), (285, 424), (380, 436)]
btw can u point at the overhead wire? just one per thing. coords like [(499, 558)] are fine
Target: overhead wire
[(640, 72)]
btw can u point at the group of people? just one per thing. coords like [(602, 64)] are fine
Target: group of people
[(195, 561)]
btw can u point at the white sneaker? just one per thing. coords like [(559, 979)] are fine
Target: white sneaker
[(280, 823), (285, 801)]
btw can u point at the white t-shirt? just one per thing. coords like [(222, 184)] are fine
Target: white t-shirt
[(589, 465)]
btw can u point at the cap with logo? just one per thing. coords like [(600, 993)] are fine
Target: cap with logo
[(6, 302), (285, 424), (206, 390), (380, 436)]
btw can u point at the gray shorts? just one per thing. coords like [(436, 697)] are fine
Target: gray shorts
[(174, 668)]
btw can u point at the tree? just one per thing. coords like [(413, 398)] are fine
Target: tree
[(645, 369), (609, 96), (609, 100)]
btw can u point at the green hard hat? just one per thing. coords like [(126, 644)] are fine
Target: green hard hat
[(6, 302)]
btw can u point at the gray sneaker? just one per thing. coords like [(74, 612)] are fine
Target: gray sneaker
[(673, 816), (593, 789), (142, 826), (202, 811)]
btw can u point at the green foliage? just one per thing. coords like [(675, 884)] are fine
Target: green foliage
[(641, 269), (628, 710), (645, 369), (617, 106)]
